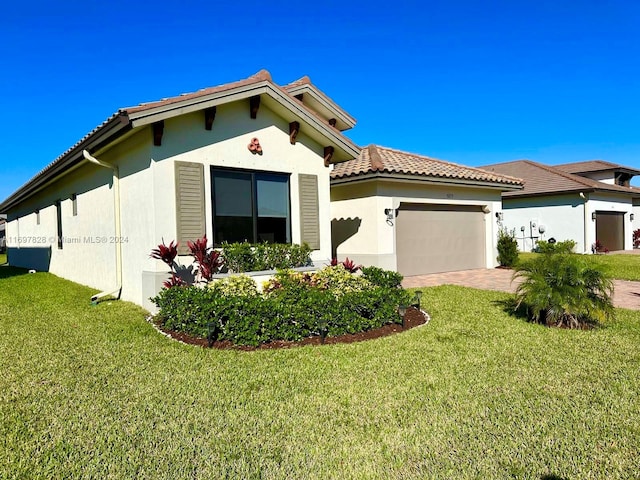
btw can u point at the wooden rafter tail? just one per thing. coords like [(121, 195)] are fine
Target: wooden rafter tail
[(158, 131), (209, 117), (294, 129), (254, 105), (328, 155)]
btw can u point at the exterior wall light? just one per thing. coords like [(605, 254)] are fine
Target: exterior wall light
[(593, 215), (500, 216), (631, 217)]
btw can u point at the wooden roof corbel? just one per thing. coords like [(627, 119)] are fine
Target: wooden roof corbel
[(254, 105), (294, 129), (209, 117)]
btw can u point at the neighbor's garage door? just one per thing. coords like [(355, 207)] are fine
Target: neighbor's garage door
[(610, 230), (439, 238)]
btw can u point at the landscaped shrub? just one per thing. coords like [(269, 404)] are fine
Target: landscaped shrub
[(339, 280), (636, 238), (381, 277), (563, 290), (566, 246), (239, 285), (507, 248), (186, 309), (293, 306), (245, 257)]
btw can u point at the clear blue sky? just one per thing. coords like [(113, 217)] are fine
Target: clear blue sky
[(474, 82)]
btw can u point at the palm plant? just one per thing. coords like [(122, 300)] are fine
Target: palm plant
[(561, 289)]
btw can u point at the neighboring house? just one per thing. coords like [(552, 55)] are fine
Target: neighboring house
[(242, 161), (584, 202), (415, 214), (3, 240)]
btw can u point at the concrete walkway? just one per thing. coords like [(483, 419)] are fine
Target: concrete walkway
[(626, 293)]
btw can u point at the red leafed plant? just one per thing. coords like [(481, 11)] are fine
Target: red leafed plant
[(348, 265), (208, 259), (174, 281), (166, 253), (636, 238)]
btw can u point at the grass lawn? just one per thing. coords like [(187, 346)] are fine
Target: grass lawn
[(95, 392), (622, 267)]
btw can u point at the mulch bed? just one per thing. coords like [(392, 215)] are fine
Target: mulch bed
[(413, 318)]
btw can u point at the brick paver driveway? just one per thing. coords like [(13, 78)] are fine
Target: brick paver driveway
[(626, 294)]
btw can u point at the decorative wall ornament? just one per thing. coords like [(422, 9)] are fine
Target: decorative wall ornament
[(254, 147)]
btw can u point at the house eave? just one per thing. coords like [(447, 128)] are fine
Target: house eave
[(325, 133), (105, 135), (423, 179), (125, 121), (341, 115), (570, 192)]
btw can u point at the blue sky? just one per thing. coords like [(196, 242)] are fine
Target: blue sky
[(474, 82)]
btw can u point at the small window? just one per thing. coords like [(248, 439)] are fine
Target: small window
[(59, 222), (74, 204), (37, 217), (250, 206)]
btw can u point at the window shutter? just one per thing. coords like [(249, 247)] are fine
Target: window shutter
[(309, 216), (190, 211)]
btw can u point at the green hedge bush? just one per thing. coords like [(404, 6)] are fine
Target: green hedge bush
[(507, 248), (566, 246), (246, 257), (294, 306)]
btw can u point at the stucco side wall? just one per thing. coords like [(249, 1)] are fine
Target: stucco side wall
[(138, 210), (88, 253), (373, 242)]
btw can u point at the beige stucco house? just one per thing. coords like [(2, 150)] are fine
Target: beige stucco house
[(415, 214), (583, 201), (248, 160)]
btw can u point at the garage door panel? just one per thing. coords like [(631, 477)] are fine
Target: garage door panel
[(610, 230), (437, 238)]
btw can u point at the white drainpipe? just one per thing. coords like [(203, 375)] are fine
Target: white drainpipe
[(116, 208), (587, 222)]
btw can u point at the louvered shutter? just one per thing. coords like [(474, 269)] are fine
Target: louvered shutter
[(190, 209), (309, 215)]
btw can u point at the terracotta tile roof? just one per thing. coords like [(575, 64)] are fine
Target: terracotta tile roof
[(374, 159), (262, 75), (542, 179), (593, 166), (301, 81)]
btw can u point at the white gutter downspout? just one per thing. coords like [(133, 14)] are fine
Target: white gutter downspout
[(586, 221), (116, 209)]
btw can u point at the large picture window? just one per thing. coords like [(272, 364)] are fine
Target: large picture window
[(250, 206)]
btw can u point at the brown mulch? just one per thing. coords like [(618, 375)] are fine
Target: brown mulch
[(413, 318)]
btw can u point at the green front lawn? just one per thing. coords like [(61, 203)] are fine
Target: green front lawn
[(95, 392), (622, 267)]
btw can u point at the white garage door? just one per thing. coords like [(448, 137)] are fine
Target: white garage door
[(439, 238)]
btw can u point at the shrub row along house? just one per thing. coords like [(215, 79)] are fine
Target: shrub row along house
[(246, 161)]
